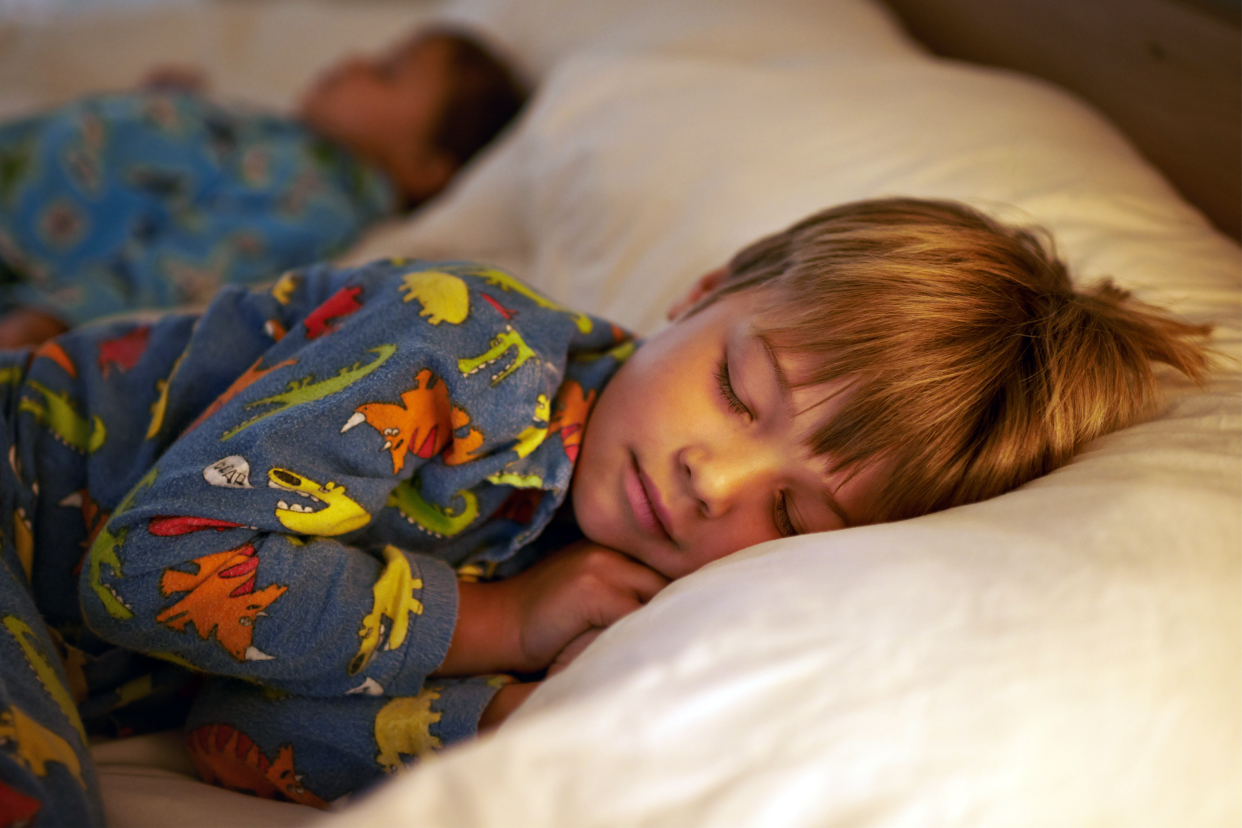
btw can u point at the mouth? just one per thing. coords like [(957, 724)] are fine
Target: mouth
[(645, 502)]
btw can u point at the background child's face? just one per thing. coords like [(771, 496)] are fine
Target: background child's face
[(696, 450), (386, 109)]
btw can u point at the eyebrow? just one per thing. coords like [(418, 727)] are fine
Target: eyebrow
[(782, 381)]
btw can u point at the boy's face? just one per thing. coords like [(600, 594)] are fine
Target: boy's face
[(386, 109), (696, 449)]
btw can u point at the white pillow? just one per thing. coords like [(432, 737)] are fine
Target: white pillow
[(1069, 653)]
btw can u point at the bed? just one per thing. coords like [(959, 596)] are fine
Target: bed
[(1065, 654)]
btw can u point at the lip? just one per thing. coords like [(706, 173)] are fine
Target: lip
[(645, 503)]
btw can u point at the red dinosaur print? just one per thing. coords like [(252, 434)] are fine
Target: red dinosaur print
[(569, 416), (503, 311), (248, 378), (17, 809), (420, 425), (520, 506), (229, 758), (222, 599), (124, 351), (324, 319), (168, 526), (52, 350)]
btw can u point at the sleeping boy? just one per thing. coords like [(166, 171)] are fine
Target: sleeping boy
[(156, 197), (367, 499)]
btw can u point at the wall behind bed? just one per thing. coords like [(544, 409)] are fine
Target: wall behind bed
[(1168, 72)]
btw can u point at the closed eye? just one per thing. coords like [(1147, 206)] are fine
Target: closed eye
[(780, 516), (726, 389)]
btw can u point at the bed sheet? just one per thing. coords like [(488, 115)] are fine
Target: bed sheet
[(1070, 653)]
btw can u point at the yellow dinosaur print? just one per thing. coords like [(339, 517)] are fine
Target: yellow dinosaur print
[(472, 573), (533, 435), (160, 407), (394, 598), (282, 291), (462, 449), (506, 282), (341, 515), (517, 481), (403, 726), (444, 297), (36, 745), (42, 665), (503, 342)]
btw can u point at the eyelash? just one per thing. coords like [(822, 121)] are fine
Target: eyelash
[(780, 516), (780, 507), (726, 389)]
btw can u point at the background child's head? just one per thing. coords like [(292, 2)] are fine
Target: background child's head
[(875, 361), (420, 111)]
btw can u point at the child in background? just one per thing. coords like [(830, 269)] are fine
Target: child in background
[(368, 498), (154, 198)]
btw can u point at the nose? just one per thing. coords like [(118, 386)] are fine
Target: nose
[(729, 476)]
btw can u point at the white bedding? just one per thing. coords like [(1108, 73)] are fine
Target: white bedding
[(1069, 653)]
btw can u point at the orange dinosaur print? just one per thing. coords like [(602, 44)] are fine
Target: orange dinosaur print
[(222, 599), (462, 449), (420, 425), (124, 351), (93, 518), (229, 758), (52, 350), (325, 318), (570, 411), (248, 378)]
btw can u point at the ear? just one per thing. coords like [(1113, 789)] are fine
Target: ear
[(704, 285)]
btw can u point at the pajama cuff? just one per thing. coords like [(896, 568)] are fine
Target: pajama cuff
[(433, 629), (461, 704)]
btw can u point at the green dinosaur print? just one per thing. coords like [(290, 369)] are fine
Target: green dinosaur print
[(60, 415), (500, 344), (437, 521), (103, 551), (506, 282), (306, 390), (10, 375)]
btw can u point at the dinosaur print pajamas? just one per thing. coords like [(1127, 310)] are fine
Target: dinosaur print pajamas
[(276, 498)]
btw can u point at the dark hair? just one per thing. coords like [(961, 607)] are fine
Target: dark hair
[(484, 95), (972, 363)]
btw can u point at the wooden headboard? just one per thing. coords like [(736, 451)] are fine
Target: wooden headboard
[(1167, 72)]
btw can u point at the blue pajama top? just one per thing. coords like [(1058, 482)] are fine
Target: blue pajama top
[(153, 199), (285, 489)]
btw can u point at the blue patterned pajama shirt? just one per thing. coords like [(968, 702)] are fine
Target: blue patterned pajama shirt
[(280, 495)]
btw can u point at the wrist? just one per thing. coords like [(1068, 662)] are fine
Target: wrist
[(485, 636)]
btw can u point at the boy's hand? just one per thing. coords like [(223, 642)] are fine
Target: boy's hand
[(523, 623)]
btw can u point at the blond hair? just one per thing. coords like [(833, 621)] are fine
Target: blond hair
[(971, 362)]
